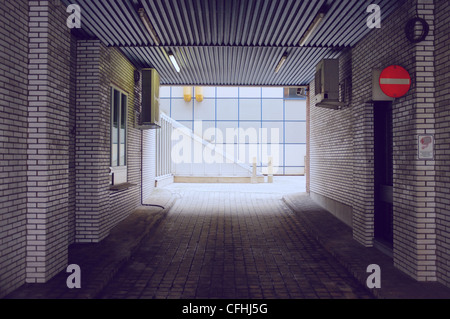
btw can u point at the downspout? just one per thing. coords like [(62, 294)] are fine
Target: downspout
[(142, 175)]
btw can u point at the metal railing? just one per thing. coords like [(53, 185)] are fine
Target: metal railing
[(165, 166)]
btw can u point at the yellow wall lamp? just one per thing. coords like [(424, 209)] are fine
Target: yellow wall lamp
[(199, 93), (187, 93)]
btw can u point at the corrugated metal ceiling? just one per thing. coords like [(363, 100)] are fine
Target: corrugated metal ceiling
[(229, 42)]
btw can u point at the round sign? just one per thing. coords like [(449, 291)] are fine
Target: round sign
[(395, 81)]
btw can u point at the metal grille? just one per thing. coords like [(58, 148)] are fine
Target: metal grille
[(229, 42)]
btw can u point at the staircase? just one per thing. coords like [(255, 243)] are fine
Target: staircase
[(195, 160)]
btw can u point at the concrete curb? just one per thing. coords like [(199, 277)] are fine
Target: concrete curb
[(337, 238)]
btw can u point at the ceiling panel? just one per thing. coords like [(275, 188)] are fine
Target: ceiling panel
[(229, 42)]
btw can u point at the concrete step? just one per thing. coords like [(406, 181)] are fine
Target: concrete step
[(217, 179)]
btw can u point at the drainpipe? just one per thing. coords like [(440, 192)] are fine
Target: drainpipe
[(142, 174)]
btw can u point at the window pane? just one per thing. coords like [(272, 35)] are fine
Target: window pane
[(123, 133), (115, 128)]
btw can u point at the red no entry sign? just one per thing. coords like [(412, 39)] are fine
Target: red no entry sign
[(395, 81)]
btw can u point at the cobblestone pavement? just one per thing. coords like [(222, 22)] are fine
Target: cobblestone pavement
[(232, 244)]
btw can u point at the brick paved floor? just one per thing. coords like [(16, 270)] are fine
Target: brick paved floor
[(225, 244)]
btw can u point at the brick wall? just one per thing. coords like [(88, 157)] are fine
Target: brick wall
[(72, 140), (331, 148), (48, 140), (55, 140), (91, 164), (13, 142), (442, 64), (421, 244), (99, 209), (342, 142), (117, 70)]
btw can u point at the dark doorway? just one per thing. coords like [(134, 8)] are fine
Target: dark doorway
[(383, 164)]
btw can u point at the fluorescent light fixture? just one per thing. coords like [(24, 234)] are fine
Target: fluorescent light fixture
[(148, 26), (281, 62), (174, 62), (317, 20)]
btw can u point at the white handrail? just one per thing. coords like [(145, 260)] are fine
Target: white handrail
[(190, 133)]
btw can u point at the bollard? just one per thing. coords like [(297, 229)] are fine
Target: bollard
[(254, 180), (270, 171)]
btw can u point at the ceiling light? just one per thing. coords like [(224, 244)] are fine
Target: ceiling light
[(281, 62), (148, 26), (318, 19), (174, 62)]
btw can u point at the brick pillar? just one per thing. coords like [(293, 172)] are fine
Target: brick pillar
[(92, 152), (48, 140), (442, 85), (363, 203), (13, 143), (414, 188)]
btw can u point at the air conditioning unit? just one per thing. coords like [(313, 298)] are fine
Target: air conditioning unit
[(327, 84), (295, 93), (149, 117)]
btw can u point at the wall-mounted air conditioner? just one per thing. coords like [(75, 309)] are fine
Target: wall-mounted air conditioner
[(149, 117), (327, 84), (295, 93)]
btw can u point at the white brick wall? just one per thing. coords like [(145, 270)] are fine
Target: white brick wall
[(332, 148), (99, 209), (442, 182), (117, 70), (48, 141), (72, 140), (55, 139), (342, 142), (425, 234), (13, 138), (91, 165)]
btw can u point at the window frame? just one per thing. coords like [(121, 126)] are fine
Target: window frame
[(119, 171)]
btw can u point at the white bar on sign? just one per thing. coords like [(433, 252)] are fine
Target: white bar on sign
[(395, 81)]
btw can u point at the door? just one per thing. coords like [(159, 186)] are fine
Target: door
[(383, 179)]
